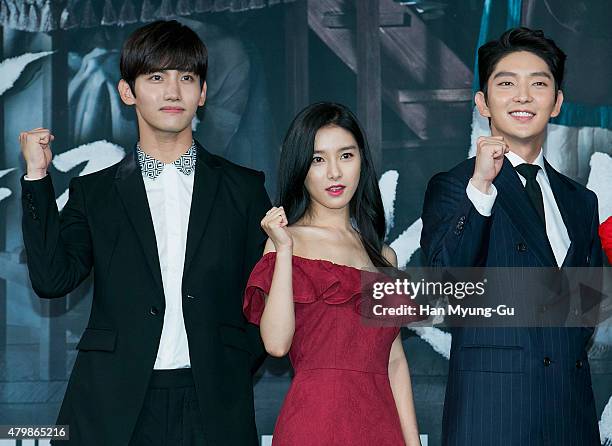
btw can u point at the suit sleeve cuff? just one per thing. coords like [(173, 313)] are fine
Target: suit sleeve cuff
[(481, 201)]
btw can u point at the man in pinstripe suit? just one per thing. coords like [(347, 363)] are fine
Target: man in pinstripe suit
[(507, 207)]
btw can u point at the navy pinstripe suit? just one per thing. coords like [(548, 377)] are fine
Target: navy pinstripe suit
[(513, 386)]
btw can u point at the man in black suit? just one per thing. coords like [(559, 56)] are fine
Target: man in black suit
[(508, 207), (171, 233)]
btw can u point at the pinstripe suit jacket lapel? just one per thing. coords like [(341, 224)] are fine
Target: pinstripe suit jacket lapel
[(513, 199)]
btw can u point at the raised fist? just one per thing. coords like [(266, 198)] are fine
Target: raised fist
[(36, 149), (489, 161), (274, 224)]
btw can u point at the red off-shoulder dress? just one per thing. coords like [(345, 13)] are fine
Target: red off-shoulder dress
[(340, 394), (605, 234)]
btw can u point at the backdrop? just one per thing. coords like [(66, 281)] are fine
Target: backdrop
[(405, 67)]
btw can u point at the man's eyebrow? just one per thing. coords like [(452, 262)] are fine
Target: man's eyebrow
[(163, 70), (511, 74), (541, 74), (504, 74)]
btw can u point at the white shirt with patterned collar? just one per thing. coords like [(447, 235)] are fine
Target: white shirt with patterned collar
[(169, 188)]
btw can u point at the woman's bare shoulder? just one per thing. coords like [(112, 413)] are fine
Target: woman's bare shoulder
[(299, 234), (269, 246), (389, 255)]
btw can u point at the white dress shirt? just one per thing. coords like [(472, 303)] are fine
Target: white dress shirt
[(555, 227), (169, 197)]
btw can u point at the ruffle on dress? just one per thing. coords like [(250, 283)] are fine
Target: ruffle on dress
[(313, 280)]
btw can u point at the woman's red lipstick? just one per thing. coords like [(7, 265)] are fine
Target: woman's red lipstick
[(336, 190)]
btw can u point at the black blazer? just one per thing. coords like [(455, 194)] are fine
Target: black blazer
[(106, 224), (513, 386)]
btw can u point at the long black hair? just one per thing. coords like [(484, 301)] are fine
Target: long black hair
[(365, 208)]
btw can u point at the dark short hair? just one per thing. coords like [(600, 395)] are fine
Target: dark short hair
[(520, 39), (162, 45)]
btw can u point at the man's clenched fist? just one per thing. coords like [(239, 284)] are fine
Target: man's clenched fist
[(489, 161), (36, 149)]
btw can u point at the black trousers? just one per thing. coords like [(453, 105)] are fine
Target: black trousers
[(170, 415)]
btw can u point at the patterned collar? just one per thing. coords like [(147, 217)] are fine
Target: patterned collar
[(152, 168)]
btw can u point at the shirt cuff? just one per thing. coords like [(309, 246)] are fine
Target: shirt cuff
[(481, 201), (25, 177)]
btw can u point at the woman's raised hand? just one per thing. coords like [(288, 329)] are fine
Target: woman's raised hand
[(274, 224)]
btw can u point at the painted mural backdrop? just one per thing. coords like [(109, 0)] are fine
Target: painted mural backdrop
[(59, 69)]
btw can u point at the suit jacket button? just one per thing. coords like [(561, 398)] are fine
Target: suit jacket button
[(153, 311), (521, 247), (189, 296), (547, 361), (579, 364), (588, 259)]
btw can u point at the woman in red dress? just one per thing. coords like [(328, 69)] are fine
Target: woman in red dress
[(352, 383), (605, 234)]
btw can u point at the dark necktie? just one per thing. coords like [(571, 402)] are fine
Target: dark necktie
[(529, 172)]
